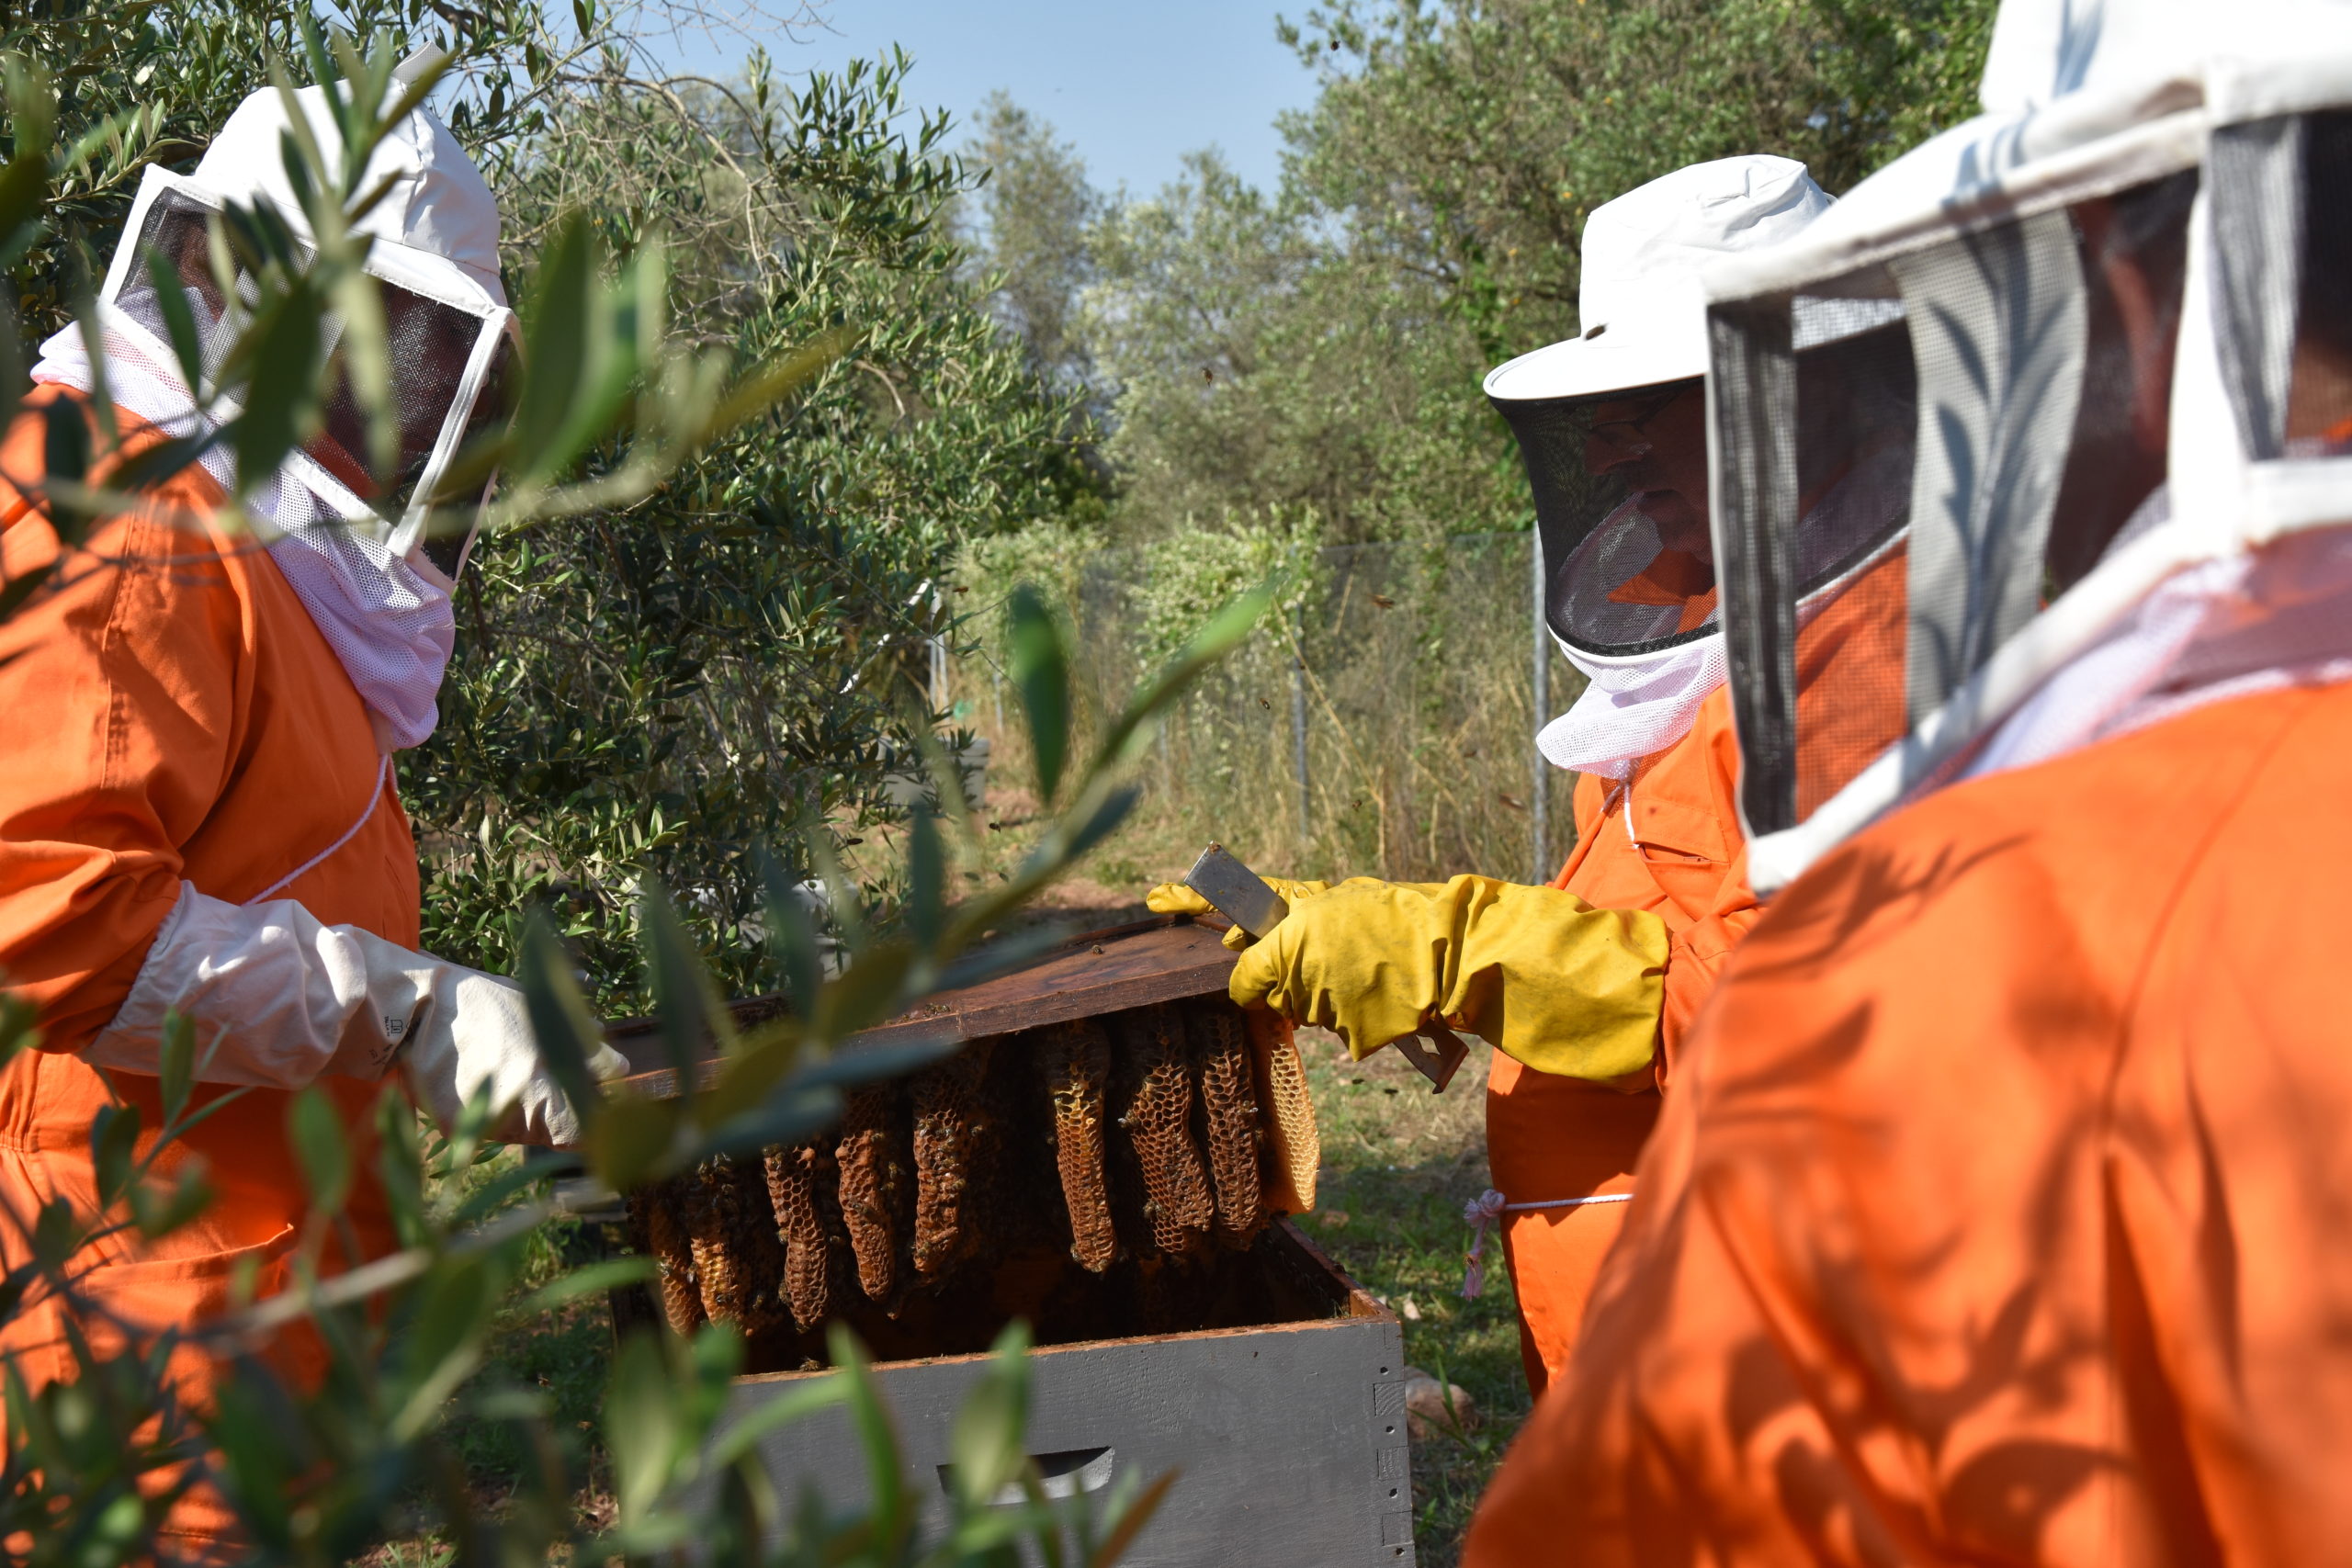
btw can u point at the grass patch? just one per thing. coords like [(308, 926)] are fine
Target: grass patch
[(561, 1359)]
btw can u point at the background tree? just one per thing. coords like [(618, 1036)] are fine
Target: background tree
[(1322, 344), (1027, 228), (660, 690)]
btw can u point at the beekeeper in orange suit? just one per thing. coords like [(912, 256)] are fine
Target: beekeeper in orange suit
[(1611, 427), (197, 809), (1997, 1214)]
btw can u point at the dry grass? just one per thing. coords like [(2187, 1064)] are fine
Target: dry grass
[(1421, 718)]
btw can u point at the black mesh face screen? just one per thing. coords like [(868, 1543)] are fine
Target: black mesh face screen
[(429, 345), (177, 230), (1856, 417), (1857, 421), (1619, 482), (2134, 257), (1751, 385), (2318, 403), (1816, 412), (1568, 498)]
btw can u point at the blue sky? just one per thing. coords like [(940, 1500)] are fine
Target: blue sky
[(1133, 85)]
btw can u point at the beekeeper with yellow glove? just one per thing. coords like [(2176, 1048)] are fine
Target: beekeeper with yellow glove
[(1583, 986)]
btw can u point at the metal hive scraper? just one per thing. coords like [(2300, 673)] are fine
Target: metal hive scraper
[(1242, 897), (1238, 894)]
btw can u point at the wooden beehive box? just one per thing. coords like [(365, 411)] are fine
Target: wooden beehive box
[(1184, 1330)]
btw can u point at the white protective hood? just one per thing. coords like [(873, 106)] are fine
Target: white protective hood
[(361, 571), (2085, 102), (1647, 665)]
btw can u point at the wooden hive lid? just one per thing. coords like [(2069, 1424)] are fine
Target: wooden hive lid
[(1165, 959)]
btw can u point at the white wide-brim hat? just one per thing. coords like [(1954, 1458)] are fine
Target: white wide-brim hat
[(1638, 300)]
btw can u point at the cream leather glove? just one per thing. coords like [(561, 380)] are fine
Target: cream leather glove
[(280, 1001)]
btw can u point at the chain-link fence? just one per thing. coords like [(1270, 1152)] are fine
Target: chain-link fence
[(1384, 727)]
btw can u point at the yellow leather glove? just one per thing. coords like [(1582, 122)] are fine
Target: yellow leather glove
[(1554, 982), (1175, 898)]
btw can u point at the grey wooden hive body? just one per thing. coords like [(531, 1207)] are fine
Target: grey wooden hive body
[(1289, 1437), (1280, 1405)]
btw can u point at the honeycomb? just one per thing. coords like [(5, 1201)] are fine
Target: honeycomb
[(1294, 1149), (1076, 1058), (1230, 1122), (1016, 1183), (872, 1159), (800, 1191), (654, 1213), (1156, 1114), (1137, 1145), (954, 1132), (713, 1257), (738, 1260)]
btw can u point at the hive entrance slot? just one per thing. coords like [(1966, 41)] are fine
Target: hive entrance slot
[(1065, 1473)]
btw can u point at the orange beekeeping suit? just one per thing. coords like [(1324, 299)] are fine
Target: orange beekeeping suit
[(1549, 1136), (1679, 854), (171, 712), (1998, 1212)]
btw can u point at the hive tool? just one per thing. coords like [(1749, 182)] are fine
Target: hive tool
[(1242, 897)]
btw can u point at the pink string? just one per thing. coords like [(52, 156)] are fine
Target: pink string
[(1488, 1207), (1479, 1213)]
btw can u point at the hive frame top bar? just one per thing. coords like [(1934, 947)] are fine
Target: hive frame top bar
[(1166, 959)]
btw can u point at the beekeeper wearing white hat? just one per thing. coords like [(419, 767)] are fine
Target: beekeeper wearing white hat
[(1995, 1217), (1584, 986), (197, 809)]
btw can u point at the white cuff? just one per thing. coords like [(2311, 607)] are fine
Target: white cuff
[(276, 998)]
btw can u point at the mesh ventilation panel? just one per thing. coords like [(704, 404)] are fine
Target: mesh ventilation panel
[(1916, 458), (2284, 287)]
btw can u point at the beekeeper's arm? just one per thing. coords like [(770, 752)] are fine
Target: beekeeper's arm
[(280, 1001), (110, 756), (1538, 972)]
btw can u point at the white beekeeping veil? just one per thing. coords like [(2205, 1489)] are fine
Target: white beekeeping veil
[(1629, 590), (352, 543), (2126, 300)]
